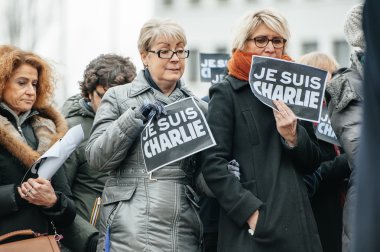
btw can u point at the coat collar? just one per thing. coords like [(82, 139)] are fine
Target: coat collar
[(48, 127), (236, 83), (140, 85)]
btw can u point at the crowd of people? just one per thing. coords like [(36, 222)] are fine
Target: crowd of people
[(268, 183)]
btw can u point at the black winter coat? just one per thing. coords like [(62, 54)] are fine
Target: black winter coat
[(271, 175), (15, 158)]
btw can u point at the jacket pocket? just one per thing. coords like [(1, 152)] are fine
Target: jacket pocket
[(112, 198), (260, 227), (251, 125)]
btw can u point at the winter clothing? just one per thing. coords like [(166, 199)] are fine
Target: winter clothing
[(139, 212), (366, 223), (240, 64), (353, 27), (86, 184), (270, 174), (345, 111), (151, 109), (23, 139)]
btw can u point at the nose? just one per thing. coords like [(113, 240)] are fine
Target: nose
[(30, 89), (269, 47), (174, 57)]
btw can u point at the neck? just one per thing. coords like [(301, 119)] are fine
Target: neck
[(166, 88)]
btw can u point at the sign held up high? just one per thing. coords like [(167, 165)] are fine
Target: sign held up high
[(301, 87)]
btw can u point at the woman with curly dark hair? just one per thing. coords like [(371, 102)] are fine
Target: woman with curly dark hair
[(103, 72)]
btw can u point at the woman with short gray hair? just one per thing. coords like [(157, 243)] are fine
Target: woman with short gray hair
[(145, 211)]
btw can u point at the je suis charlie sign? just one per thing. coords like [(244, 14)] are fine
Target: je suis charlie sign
[(301, 87), (324, 130), (213, 67), (179, 134)]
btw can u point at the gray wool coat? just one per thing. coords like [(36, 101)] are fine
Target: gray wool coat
[(270, 174)]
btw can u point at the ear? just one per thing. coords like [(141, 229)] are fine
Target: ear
[(91, 96), (144, 58)]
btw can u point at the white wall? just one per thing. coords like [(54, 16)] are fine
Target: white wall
[(209, 24)]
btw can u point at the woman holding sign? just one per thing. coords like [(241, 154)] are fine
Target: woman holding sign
[(268, 209), (143, 211), (29, 125)]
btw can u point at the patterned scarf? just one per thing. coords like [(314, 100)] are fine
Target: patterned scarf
[(240, 64)]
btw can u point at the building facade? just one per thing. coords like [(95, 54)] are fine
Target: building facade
[(315, 25)]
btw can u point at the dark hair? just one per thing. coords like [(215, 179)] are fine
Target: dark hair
[(107, 70)]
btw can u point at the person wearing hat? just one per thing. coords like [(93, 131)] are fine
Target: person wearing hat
[(345, 110)]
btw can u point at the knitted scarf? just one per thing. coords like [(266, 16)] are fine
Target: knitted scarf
[(240, 64)]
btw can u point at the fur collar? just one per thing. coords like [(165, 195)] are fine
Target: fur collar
[(49, 126)]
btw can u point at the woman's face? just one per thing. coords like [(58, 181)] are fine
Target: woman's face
[(20, 90), (164, 72), (269, 50)]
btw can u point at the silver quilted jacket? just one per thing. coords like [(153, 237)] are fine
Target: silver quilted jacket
[(141, 213)]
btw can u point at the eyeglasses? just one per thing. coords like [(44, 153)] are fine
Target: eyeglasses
[(168, 54), (263, 41)]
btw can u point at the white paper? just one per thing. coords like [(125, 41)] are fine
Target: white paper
[(53, 158)]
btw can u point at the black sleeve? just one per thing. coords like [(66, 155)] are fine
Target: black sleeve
[(10, 200), (306, 155), (63, 212)]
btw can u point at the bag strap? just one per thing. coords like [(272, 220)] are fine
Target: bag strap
[(23, 232)]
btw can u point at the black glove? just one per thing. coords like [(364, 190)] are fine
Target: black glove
[(233, 167), (152, 108)]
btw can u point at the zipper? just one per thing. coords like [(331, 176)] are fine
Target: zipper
[(20, 131)]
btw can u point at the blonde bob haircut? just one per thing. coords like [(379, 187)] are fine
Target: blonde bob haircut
[(320, 60), (249, 23), (12, 58), (156, 28)]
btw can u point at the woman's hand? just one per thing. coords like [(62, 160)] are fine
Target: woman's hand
[(38, 192), (252, 221), (286, 122), (151, 109)]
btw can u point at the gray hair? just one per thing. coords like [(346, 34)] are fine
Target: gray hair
[(157, 27), (249, 23)]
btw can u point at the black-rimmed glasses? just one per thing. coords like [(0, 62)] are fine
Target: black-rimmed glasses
[(262, 41), (168, 54)]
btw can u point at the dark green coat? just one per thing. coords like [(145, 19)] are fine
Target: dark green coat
[(86, 184), (271, 175)]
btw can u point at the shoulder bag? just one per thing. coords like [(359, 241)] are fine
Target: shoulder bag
[(35, 243)]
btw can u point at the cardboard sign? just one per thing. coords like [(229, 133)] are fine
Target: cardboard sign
[(181, 133), (213, 67), (324, 131), (301, 87)]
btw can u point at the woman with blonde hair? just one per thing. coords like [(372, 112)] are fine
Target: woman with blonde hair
[(268, 208), (145, 211), (320, 60)]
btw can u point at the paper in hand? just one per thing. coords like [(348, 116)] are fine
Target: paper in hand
[(49, 163)]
